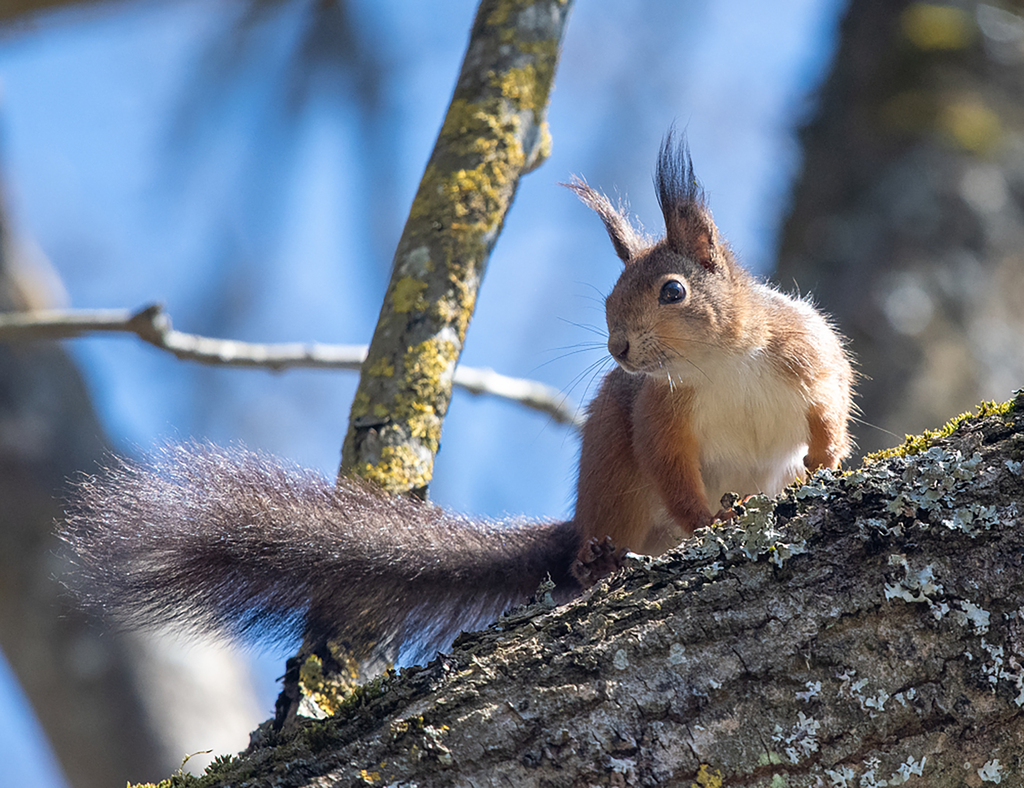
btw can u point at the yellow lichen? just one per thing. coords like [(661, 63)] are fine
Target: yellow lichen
[(467, 202), (542, 151), (381, 368), (445, 310), (315, 685), (456, 307), (463, 123), (706, 778), (971, 124), (400, 469), (915, 444), (348, 665), (503, 11), (360, 405), (465, 295), (929, 26), (538, 75), (421, 419), (475, 197), (455, 217), (329, 689), (426, 384), (408, 296), (409, 725), (427, 365), (518, 85)]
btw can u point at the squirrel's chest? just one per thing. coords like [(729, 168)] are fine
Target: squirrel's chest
[(750, 422)]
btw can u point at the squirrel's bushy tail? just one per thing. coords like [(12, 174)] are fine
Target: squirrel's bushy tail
[(230, 540)]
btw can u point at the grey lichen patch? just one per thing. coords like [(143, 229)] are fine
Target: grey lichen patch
[(752, 533), (416, 263), (992, 771), (914, 586), (919, 490), (997, 667), (760, 535), (872, 772), (798, 741), (868, 694)]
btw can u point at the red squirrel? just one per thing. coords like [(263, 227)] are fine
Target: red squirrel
[(722, 384)]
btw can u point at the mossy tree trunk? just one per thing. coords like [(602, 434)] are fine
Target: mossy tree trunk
[(494, 132), (862, 630)]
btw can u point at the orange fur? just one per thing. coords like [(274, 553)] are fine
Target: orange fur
[(723, 385)]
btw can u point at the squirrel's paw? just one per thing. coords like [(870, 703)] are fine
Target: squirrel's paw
[(597, 559)]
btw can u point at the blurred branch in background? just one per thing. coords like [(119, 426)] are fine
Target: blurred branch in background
[(907, 221), (83, 680), (153, 325), (19, 11)]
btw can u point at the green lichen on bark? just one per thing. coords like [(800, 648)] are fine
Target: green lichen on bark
[(493, 133), (329, 687), (915, 444)]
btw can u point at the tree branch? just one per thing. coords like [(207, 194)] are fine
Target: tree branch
[(864, 629), (494, 132), (153, 325)]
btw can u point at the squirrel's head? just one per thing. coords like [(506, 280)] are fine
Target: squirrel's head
[(679, 299)]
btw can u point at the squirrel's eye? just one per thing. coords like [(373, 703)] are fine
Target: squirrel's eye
[(672, 292)]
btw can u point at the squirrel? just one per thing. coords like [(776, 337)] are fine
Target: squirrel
[(722, 384)]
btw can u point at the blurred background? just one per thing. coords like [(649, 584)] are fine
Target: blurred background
[(249, 164)]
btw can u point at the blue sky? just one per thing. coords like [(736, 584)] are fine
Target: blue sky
[(148, 163)]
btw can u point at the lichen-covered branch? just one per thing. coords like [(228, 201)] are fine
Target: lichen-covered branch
[(493, 133), (864, 629), (153, 325)]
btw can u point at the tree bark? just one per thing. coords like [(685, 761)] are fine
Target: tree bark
[(864, 629), (494, 132)]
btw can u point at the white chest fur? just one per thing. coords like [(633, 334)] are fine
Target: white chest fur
[(751, 424)]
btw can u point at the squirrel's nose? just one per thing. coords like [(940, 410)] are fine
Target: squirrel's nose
[(618, 345)]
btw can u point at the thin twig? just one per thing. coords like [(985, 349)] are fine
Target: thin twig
[(153, 325)]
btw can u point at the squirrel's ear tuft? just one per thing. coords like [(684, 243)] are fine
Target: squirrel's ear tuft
[(627, 241), (689, 228)]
